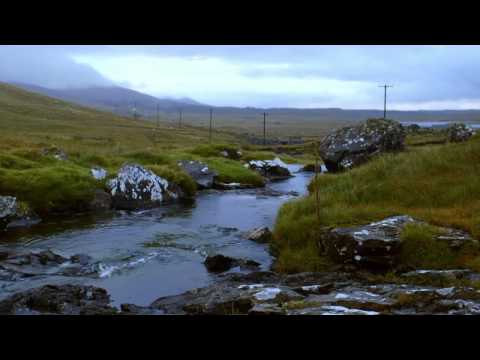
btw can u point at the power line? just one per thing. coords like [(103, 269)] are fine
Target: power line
[(385, 100), (210, 128)]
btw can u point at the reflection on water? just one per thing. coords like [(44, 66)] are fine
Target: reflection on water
[(147, 254)]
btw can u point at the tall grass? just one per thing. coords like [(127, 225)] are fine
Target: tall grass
[(439, 184)]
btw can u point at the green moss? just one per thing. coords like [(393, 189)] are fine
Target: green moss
[(440, 185), (58, 188), (177, 176)]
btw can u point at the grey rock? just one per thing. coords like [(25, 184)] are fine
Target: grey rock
[(101, 201), (272, 169), (136, 188), (200, 172), (221, 263), (352, 146), (261, 235), (98, 173), (55, 152), (64, 300), (459, 132)]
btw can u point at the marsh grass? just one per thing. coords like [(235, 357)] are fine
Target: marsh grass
[(437, 184)]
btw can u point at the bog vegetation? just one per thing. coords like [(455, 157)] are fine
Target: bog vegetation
[(439, 184)]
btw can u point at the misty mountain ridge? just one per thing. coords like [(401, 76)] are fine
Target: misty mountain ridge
[(122, 101), (117, 99)]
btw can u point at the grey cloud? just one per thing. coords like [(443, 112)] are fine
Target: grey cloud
[(48, 66)]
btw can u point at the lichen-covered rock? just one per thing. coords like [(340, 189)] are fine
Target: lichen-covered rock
[(351, 146), (63, 299), (274, 169), (200, 172), (459, 133), (14, 214), (136, 187), (261, 235), (375, 244), (378, 244), (8, 209), (98, 173)]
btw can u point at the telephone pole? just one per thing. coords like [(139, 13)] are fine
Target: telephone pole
[(264, 128), (135, 110), (385, 100), (210, 128), (158, 117), (180, 119)]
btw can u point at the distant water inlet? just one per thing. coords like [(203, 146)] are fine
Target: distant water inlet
[(436, 124)]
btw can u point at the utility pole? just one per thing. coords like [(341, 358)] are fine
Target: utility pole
[(264, 128), (135, 110), (210, 128), (158, 117), (385, 100), (180, 119)]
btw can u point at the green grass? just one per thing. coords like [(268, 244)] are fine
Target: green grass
[(230, 171), (31, 123), (438, 184)]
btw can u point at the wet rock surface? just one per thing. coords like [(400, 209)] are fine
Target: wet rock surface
[(59, 300), (274, 170), (200, 172), (351, 146), (17, 266), (136, 187), (221, 263), (261, 235), (327, 293), (459, 132)]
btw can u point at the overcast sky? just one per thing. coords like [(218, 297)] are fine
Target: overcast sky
[(424, 77)]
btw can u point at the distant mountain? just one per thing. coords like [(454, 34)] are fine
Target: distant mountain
[(117, 99)]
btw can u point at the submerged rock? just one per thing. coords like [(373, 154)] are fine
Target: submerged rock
[(274, 169), (63, 299), (261, 235), (200, 172), (136, 187), (459, 132), (351, 146), (46, 262), (221, 263)]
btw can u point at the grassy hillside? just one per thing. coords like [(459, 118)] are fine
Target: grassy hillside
[(31, 123), (439, 184)]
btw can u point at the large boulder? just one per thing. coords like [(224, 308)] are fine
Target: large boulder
[(459, 133), (8, 209), (351, 146), (378, 244), (63, 299), (274, 169), (136, 187), (200, 172)]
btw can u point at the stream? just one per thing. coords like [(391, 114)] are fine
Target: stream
[(148, 254)]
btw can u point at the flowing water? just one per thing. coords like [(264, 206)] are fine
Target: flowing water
[(147, 254)]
